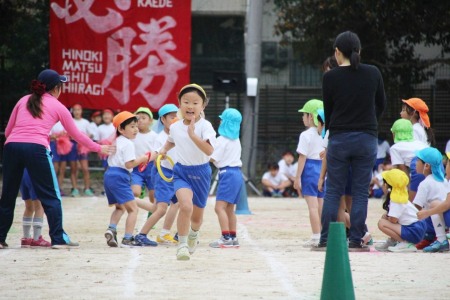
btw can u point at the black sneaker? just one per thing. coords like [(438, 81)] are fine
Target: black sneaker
[(129, 243), (357, 247), (322, 246), (3, 245)]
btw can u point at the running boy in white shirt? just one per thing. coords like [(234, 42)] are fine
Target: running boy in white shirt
[(195, 140), (227, 158), (143, 143), (164, 191), (432, 191), (117, 180), (310, 146)]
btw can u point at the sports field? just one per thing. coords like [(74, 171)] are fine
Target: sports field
[(270, 264)]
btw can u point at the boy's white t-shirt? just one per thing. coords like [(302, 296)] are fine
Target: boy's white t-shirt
[(310, 144), (82, 125), (383, 149), (144, 142), (419, 133), (275, 180), (429, 190), (378, 176), (289, 171), (325, 139), (405, 213), (106, 131), (159, 142), (92, 130), (227, 153), (403, 152), (124, 153), (188, 152)]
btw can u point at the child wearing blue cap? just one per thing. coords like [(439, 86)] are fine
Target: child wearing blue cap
[(164, 191), (195, 139), (309, 166), (227, 158), (432, 191)]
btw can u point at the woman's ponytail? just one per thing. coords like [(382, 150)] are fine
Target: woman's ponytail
[(35, 101), (355, 59)]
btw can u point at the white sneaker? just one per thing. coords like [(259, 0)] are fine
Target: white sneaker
[(403, 247), (183, 253), (192, 242), (390, 242), (222, 243), (236, 243), (311, 243), (366, 238)]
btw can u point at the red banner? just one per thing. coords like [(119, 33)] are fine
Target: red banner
[(121, 54)]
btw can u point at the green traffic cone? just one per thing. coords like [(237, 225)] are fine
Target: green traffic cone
[(337, 280)]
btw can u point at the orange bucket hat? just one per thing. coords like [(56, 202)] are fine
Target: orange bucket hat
[(421, 107), (122, 117)]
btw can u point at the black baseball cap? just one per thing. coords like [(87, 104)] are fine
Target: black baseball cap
[(51, 78)]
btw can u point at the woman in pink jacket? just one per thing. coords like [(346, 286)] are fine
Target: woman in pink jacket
[(27, 146)]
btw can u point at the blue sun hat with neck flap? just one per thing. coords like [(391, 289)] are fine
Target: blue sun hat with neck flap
[(164, 110), (321, 114), (433, 157), (231, 123)]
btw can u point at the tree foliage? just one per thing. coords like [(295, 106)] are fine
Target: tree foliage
[(389, 32)]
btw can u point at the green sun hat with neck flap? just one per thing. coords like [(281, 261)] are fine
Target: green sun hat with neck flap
[(403, 131), (311, 107)]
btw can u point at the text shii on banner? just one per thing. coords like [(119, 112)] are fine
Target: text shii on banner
[(121, 54)]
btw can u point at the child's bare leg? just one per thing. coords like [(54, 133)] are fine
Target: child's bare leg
[(314, 218), (197, 218), (38, 209), (184, 197), (137, 190), (62, 173), (221, 211), (27, 220), (170, 216), (231, 218), (86, 176), (117, 214), (390, 229), (151, 196), (132, 210), (145, 205), (159, 212), (73, 174)]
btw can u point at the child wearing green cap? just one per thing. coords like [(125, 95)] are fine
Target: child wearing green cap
[(403, 154), (432, 191), (309, 166), (400, 222)]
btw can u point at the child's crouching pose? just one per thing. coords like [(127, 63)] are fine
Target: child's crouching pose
[(227, 158), (195, 139), (117, 180), (400, 222)]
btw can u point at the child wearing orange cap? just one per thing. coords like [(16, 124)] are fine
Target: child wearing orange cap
[(400, 223), (416, 110), (195, 139), (117, 180)]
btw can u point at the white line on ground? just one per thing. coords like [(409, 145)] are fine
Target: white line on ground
[(278, 269), (128, 274)]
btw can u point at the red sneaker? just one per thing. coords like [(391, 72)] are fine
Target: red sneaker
[(423, 244), (40, 243), (25, 242)]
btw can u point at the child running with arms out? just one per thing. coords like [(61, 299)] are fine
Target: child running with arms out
[(309, 165), (195, 139), (227, 158), (164, 192), (117, 180), (400, 223), (431, 192)]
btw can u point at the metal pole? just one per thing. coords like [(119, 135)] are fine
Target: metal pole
[(253, 69)]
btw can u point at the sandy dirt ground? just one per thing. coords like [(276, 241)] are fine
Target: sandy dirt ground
[(270, 264)]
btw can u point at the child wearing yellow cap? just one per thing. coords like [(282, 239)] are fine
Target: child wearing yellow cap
[(416, 110), (195, 139), (117, 180), (400, 223), (309, 165), (403, 153), (432, 191)]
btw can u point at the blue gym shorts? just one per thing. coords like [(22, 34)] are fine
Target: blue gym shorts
[(416, 178), (140, 178), (26, 187), (164, 191), (117, 183), (310, 177), (414, 233), (230, 184), (55, 156), (196, 178)]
